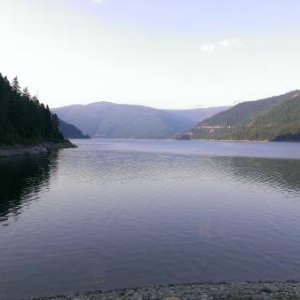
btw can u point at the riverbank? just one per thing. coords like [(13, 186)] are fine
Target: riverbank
[(255, 290), (42, 148)]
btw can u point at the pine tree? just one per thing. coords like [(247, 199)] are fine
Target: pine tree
[(22, 118), (15, 85)]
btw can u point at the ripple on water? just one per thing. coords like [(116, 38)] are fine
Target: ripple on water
[(124, 213)]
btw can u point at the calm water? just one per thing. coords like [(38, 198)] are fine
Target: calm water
[(122, 213)]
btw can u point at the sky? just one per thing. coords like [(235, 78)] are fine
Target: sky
[(159, 53)]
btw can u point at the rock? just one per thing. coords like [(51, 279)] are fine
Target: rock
[(266, 290), (239, 291)]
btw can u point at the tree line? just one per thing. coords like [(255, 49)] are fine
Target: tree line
[(23, 119)]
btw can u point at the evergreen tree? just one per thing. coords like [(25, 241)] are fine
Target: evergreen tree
[(23, 119), (15, 85)]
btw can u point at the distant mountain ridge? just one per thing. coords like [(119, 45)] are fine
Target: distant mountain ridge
[(70, 131), (109, 120), (275, 118)]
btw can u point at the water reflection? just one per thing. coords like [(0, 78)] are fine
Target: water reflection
[(22, 177), (113, 217)]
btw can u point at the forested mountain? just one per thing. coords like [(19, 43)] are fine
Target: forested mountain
[(282, 122), (104, 119), (23, 119), (276, 118), (70, 131)]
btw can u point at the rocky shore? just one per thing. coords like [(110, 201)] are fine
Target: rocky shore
[(244, 290), (8, 151)]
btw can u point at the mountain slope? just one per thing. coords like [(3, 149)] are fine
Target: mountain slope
[(282, 122), (268, 119), (195, 115), (104, 119), (70, 131)]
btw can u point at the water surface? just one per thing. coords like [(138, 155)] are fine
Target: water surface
[(125, 213)]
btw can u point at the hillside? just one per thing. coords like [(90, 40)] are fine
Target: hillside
[(275, 118), (23, 119), (282, 122), (197, 114), (70, 131), (104, 119)]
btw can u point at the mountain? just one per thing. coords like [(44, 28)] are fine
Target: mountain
[(70, 131), (23, 119), (275, 118), (195, 115), (283, 121), (104, 119)]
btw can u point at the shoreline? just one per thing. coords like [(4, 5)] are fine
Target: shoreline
[(205, 140), (40, 148), (264, 290)]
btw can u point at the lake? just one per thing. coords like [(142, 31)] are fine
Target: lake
[(126, 213)]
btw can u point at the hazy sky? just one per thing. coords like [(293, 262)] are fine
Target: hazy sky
[(160, 53)]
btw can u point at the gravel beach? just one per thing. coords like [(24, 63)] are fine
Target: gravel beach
[(244, 290)]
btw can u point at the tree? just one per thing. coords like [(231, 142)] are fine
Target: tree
[(23, 119), (16, 85), (26, 93)]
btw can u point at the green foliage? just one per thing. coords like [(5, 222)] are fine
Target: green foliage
[(276, 118), (23, 119)]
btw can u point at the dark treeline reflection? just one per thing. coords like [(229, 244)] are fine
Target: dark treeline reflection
[(282, 173), (21, 178)]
